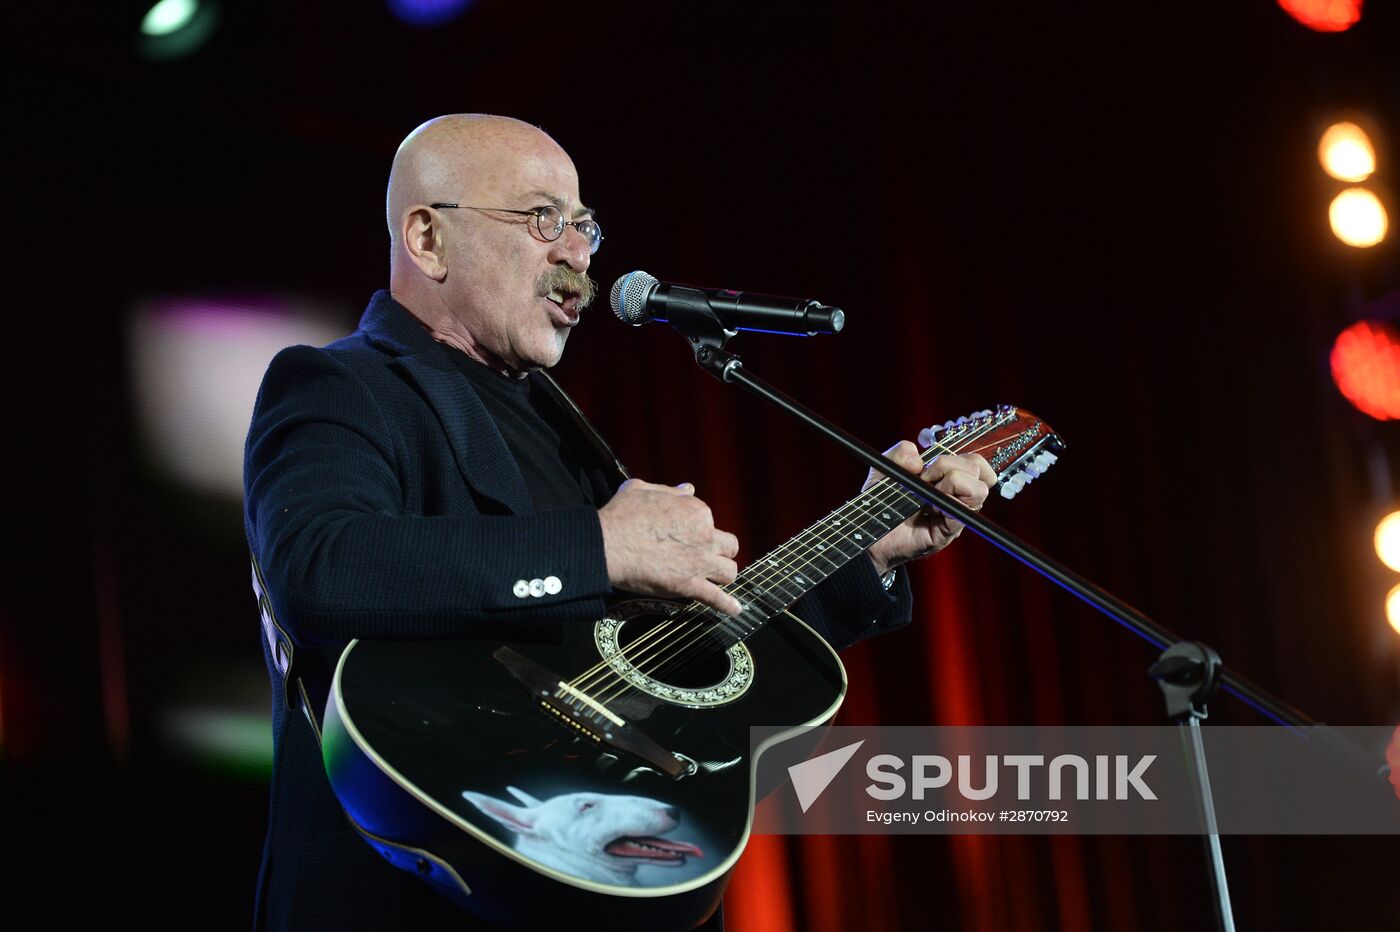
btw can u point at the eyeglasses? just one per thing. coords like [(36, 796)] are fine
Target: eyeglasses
[(549, 221)]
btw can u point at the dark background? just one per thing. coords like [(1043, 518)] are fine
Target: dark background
[(1109, 213)]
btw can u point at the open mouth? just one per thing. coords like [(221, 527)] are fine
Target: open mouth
[(659, 850), (566, 301)]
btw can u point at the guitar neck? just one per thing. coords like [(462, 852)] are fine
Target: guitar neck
[(777, 580), (1018, 446)]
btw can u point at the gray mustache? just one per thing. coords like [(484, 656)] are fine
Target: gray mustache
[(563, 278)]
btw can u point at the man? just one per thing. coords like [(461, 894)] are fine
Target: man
[(423, 478)]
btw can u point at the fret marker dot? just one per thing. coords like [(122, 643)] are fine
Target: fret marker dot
[(860, 537), (800, 579), (886, 515)]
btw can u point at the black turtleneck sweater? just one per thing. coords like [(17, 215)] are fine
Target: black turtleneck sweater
[(542, 438)]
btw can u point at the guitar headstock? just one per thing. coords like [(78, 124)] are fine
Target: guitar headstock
[(1018, 445)]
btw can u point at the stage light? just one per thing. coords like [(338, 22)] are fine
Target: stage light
[(1388, 540), (1392, 612), (428, 12), (1324, 15), (1358, 217), (175, 28), (196, 366), (169, 16), (1366, 367), (234, 741), (1346, 152)]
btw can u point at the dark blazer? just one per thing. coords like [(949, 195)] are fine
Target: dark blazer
[(382, 502)]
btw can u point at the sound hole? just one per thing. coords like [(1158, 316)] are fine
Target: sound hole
[(684, 654)]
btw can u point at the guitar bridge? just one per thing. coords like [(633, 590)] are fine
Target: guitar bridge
[(585, 715)]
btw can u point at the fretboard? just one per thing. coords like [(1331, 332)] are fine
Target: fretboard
[(774, 582), (1018, 447)]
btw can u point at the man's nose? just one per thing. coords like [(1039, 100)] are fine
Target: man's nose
[(571, 248)]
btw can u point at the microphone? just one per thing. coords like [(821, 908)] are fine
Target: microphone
[(638, 298)]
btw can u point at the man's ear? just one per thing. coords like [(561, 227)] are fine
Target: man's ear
[(425, 241)]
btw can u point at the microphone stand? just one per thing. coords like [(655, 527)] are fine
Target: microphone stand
[(1188, 673)]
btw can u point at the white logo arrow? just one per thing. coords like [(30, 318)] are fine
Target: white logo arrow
[(811, 777)]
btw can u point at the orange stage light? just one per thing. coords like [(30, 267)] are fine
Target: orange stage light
[(1366, 367), (1388, 540), (1392, 613), (1358, 217), (1324, 15), (1346, 152)]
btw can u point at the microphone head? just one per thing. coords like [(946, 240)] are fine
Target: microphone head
[(629, 297)]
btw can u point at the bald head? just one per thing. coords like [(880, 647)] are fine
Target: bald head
[(443, 158), (482, 276)]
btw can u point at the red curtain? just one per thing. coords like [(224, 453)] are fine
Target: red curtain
[(1155, 499)]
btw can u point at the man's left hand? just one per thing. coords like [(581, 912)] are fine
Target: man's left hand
[(966, 478)]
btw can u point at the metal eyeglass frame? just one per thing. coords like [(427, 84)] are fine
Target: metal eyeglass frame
[(538, 213)]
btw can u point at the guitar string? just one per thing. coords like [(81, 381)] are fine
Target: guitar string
[(684, 655), (659, 635), (798, 554), (695, 622), (801, 553), (734, 625), (873, 498), (664, 634)]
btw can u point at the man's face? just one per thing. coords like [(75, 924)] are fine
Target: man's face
[(514, 292)]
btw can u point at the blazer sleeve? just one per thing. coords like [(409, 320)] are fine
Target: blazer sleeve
[(852, 604), (325, 517)]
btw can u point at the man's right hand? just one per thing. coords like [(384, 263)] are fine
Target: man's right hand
[(661, 541)]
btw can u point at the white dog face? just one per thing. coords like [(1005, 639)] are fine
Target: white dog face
[(597, 836)]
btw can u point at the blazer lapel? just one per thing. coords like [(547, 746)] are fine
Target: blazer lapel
[(481, 453), (618, 472)]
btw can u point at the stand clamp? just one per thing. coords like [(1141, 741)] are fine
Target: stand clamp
[(691, 314), (1188, 674)]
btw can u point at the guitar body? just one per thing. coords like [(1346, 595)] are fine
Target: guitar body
[(607, 772), (452, 766)]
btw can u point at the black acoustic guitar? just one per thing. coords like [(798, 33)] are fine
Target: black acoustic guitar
[(608, 774)]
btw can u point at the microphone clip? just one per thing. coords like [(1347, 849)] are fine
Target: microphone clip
[(689, 312)]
